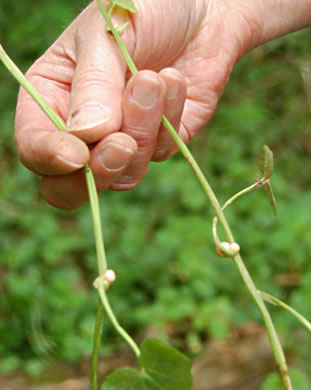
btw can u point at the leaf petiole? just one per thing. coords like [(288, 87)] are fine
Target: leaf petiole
[(275, 301)]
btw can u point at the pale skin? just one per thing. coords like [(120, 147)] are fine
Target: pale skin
[(185, 51)]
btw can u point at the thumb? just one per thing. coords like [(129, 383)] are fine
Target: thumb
[(98, 81)]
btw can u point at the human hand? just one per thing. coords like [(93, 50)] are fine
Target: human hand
[(189, 48)]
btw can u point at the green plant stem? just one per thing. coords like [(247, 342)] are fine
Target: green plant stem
[(243, 192), (60, 124), (200, 176), (115, 322), (97, 225), (183, 148), (106, 14), (273, 337), (274, 340), (19, 76), (230, 201), (275, 301), (99, 242), (96, 345)]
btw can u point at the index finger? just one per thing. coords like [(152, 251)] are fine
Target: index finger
[(42, 148)]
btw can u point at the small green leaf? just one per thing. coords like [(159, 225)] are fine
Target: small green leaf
[(268, 188), (266, 162), (169, 368), (125, 4), (163, 368), (128, 379)]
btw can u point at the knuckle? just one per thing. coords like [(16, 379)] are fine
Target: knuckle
[(125, 183)]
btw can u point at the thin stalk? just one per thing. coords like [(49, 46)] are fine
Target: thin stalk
[(99, 242), (275, 301), (116, 35), (183, 148), (273, 337), (229, 202), (274, 340), (214, 231), (97, 225), (115, 322), (243, 192), (96, 345), (60, 124), (200, 176), (19, 76)]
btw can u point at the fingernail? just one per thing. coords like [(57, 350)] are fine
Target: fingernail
[(145, 92), (114, 157), (66, 162), (172, 91), (184, 134), (88, 116)]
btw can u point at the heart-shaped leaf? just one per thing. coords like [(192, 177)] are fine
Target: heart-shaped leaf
[(268, 188), (163, 368), (266, 162), (128, 379), (168, 367), (125, 4)]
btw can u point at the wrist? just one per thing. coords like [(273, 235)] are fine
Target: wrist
[(275, 18)]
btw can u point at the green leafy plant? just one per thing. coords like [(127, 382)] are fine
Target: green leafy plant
[(162, 367), (150, 350)]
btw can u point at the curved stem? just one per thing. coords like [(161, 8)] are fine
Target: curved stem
[(230, 201), (273, 337), (214, 231), (243, 192), (60, 124), (275, 301), (115, 322), (200, 176)]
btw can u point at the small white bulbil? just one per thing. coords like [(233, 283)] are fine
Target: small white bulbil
[(105, 279), (109, 276), (235, 247), (223, 249), (227, 250), (226, 246)]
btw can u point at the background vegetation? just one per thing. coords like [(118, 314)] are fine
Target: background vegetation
[(158, 236)]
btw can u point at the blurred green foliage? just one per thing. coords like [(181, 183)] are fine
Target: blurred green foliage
[(158, 236)]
